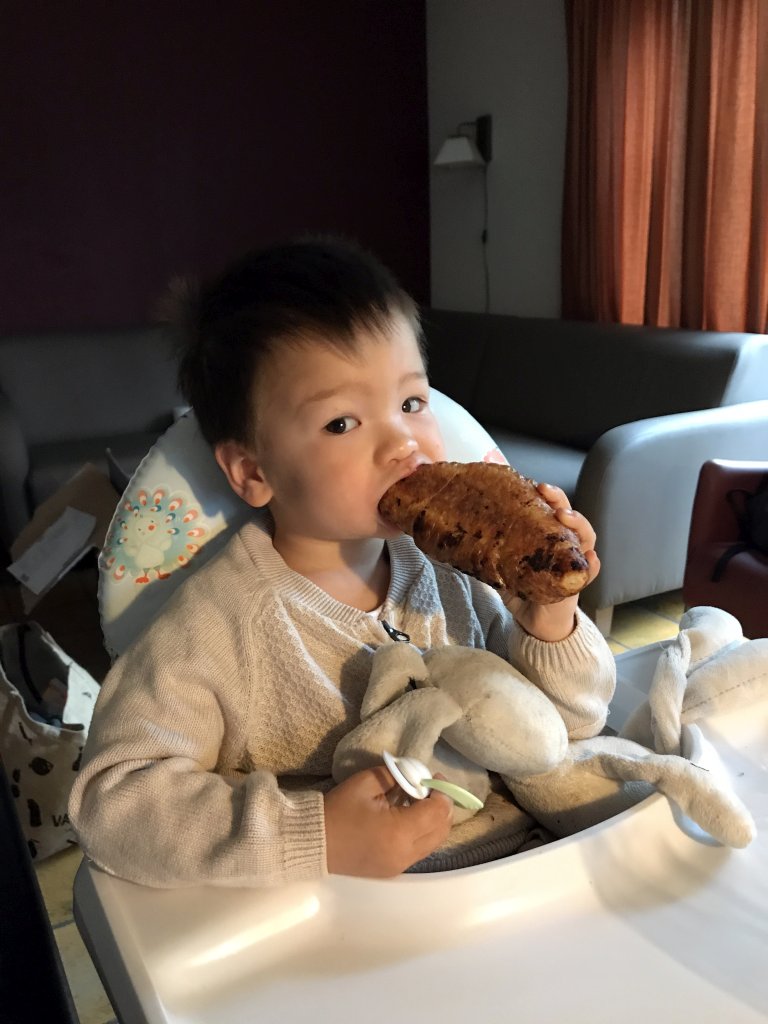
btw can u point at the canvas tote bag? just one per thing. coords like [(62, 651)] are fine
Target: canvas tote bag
[(46, 704)]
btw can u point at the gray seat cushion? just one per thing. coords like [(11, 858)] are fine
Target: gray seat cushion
[(541, 460)]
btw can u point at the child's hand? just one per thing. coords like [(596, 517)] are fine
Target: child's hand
[(370, 837), (557, 621)]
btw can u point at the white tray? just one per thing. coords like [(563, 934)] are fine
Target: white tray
[(629, 921)]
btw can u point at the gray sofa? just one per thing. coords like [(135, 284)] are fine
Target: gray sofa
[(621, 417), (65, 398)]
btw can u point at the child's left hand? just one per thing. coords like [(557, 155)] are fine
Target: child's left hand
[(552, 622)]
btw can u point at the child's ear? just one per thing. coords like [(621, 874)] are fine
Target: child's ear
[(242, 470)]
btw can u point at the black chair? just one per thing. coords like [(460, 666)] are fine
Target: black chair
[(33, 986)]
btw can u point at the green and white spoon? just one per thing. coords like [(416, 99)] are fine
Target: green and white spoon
[(413, 777)]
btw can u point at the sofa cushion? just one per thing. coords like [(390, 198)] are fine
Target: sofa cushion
[(541, 460), (570, 381), (578, 380)]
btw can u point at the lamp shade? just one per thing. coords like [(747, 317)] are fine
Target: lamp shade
[(459, 151)]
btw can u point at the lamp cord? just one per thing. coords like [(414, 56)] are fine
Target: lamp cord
[(484, 238)]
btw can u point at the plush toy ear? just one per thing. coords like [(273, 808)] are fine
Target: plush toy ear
[(710, 631), (409, 726), (710, 668), (736, 678), (394, 666), (508, 725), (605, 775)]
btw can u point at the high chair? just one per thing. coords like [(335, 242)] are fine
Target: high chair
[(633, 919)]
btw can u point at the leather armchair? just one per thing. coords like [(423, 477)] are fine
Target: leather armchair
[(742, 589)]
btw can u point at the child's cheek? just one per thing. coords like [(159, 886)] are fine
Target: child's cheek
[(434, 444)]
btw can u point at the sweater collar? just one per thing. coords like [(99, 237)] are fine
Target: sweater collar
[(256, 535)]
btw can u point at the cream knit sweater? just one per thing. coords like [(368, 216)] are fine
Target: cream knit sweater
[(213, 735)]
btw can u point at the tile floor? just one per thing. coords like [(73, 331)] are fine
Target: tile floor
[(70, 614)]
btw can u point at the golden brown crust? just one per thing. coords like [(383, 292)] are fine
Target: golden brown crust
[(491, 522)]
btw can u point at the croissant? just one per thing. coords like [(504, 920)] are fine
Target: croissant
[(489, 521)]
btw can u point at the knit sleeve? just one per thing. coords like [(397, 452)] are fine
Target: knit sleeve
[(156, 800), (578, 674)]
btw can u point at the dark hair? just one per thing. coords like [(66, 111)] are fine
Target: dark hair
[(324, 289)]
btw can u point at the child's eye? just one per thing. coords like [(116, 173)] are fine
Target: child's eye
[(342, 425), (414, 404)]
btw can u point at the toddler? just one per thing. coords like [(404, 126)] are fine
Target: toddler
[(209, 755)]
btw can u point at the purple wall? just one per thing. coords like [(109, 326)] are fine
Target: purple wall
[(141, 139)]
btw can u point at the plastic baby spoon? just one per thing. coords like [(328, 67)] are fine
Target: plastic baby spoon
[(413, 777)]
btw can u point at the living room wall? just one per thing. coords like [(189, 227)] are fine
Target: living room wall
[(144, 139), (506, 58)]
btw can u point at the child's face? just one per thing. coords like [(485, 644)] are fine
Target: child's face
[(335, 430)]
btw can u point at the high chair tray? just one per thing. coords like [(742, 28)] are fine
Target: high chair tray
[(631, 920)]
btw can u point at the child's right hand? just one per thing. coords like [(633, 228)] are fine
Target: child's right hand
[(370, 837)]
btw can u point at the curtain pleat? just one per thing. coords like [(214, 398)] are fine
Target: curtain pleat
[(665, 216)]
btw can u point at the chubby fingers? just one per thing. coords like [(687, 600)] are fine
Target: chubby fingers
[(424, 824), (428, 822), (368, 835), (554, 496), (581, 526), (558, 500)]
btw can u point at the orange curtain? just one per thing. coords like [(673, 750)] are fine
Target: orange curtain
[(665, 217)]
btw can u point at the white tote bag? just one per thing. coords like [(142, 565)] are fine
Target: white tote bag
[(46, 704)]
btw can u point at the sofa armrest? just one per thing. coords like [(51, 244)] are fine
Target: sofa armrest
[(14, 470), (637, 486)]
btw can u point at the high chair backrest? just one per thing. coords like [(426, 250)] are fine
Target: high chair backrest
[(178, 511)]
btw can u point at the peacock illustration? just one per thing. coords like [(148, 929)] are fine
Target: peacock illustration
[(151, 535)]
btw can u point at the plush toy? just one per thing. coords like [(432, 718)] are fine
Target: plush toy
[(466, 712)]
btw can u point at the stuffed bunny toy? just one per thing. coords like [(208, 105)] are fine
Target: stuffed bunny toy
[(466, 713)]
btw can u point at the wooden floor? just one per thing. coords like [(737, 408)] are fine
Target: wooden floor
[(70, 614)]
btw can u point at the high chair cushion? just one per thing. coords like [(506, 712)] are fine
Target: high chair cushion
[(178, 511)]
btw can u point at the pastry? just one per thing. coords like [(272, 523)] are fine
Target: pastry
[(491, 522)]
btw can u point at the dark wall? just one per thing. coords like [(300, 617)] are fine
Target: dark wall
[(145, 138)]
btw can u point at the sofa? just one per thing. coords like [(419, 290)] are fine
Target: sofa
[(621, 417), (67, 397)]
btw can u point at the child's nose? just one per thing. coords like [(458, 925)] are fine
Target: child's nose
[(399, 443), (407, 447)]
